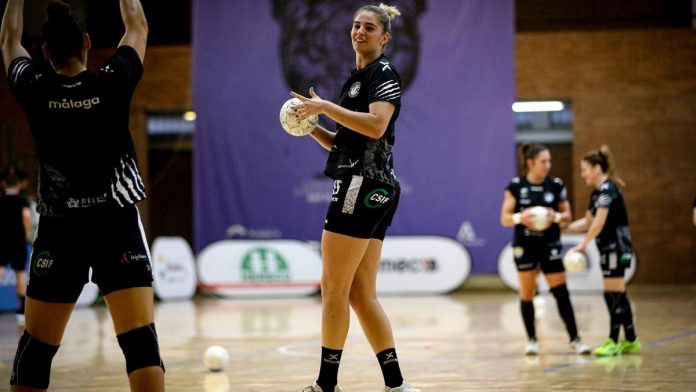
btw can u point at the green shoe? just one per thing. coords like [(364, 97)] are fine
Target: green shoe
[(627, 347), (609, 348)]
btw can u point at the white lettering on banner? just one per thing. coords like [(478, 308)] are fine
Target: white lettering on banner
[(467, 235), (588, 280), (254, 268), (173, 268), (420, 265), (239, 231)]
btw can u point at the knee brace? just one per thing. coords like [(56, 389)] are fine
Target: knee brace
[(32, 363), (140, 348)]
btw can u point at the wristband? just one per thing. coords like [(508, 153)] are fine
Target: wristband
[(517, 218), (557, 217)]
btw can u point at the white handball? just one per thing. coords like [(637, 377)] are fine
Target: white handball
[(216, 358), (540, 218), (575, 261), (292, 124)]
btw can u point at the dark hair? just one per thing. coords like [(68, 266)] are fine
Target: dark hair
[(385, 12), (529, 151), (605, 160), (9, 176), (63, 33)]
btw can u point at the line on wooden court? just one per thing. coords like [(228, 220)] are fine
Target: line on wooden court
[(646, 346)]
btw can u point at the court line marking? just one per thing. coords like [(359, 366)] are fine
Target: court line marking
[(646, 346)]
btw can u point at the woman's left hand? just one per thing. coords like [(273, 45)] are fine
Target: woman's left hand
[(309, 106)]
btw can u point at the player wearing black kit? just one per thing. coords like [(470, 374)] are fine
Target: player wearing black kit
[(365, 196), (536, 250), (89, 183), (15, 229), (606, 222)]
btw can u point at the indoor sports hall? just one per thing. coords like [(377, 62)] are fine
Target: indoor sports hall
[(241, 197)]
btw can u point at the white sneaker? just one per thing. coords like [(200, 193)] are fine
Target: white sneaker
[(20, 320), (532, 347), (580, 347), (317, 388), (405, 387)]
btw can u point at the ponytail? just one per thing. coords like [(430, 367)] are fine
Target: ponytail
[(63, 33), (604, 158), (528, 151)]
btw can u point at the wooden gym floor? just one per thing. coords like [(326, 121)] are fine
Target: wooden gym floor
[(468, 341)]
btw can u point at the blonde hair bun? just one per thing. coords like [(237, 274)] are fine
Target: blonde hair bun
[(392, 12)]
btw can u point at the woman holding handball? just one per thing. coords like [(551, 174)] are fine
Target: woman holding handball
[(365, 197), (538, 246), (87, 196), (606, 222)]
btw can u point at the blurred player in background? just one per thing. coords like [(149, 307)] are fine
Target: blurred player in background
[(606, 222), (536, 250)]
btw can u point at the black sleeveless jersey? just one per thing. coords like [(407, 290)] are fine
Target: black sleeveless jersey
[(615, 234), (356, 154), (80, 126), (550, 193)]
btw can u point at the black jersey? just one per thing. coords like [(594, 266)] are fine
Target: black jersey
[(550, 193), (356, 154), (12, 219), (615, 234), (80, 126)]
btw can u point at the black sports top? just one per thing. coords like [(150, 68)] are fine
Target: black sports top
[(550, 193), (80, 126), (615, 234), (356, 154)]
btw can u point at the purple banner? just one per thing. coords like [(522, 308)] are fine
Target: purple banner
[(454, 150)]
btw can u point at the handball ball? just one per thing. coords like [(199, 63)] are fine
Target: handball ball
[(575, 261), (215, 358), (293, 125), (539, 218)]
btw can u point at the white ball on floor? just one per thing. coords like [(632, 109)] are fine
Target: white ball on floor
[(216, 358), (575, 261)]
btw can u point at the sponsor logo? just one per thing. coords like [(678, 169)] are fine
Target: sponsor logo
[(409, 265), (171, 269), (548, 197), (264, 264), (390, 358), (239, 231), (85, 201), (385, 65), (537, 188), (467, 236), (72, 104), (518, 251), (377, 198), (43, 263), (129, 257), (332, 359), (354, 90), (524, 192)]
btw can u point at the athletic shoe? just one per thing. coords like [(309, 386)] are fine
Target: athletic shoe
[(626, 347), (580, 347), (609, 348), (20, 320), (405, 387), (317, 388), (532, 347)]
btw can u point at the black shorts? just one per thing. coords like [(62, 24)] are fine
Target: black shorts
[(614, 263), (14, 253), (545, 256), (110, 239), (361, 207)]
